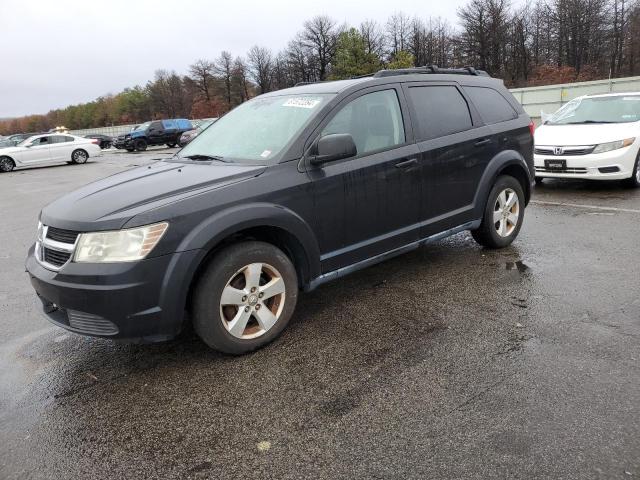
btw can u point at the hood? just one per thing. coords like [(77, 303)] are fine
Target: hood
[(9, 150), (590, 134), (109, 203)]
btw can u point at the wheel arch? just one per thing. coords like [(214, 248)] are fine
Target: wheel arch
[(507, 162), (10, 158), (272, 224)]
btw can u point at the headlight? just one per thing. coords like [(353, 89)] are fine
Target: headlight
[(119, 245), (607, 147)]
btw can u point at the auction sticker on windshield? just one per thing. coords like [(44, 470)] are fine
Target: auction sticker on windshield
[(301, 102)]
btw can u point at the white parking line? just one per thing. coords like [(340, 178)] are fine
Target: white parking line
[(589, 207)]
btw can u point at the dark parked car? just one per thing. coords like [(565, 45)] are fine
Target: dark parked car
[(288, 191), (105, 141), (158, 132), (189, 135)]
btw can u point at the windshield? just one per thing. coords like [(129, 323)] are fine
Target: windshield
[(258, 130), (144, 126), (23, 142), (615, 109)]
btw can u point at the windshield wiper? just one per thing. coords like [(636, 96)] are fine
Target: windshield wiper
[(587, 121), (202, 156)]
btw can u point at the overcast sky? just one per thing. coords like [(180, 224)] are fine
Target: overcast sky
[(62, 52)]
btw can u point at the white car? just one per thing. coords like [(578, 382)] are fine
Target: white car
[(595, 137), (47, 149)]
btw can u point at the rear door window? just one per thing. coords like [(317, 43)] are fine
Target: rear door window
[(440, 109), (493, 107)]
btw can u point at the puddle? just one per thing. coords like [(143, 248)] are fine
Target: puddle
[(519, 265)]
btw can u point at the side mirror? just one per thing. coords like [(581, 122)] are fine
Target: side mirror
[(335, 146)]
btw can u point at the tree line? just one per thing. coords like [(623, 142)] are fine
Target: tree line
[(540, 43)]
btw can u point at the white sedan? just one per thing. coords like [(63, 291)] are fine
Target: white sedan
[(595, 137), (47, 149)]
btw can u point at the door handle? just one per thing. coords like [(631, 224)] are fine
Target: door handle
[(407, 163), (483, 142)]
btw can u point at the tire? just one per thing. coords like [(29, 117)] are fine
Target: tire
[(539, 180), (130, 149), (140, 145), (500, 233), (634, 180), (259, 320), (79, 156), (6, 164), (171, 145)]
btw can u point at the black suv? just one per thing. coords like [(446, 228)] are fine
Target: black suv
[(286, 192)]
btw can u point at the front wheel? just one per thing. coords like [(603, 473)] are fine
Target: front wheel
[(634, 180), (140, 145), (245, 297), (6, 164), (503, 214)]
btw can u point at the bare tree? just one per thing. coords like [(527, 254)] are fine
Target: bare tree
[(319, 36), (373, 36), (224, 69), (202, 73), (261, 67), (398, 30)]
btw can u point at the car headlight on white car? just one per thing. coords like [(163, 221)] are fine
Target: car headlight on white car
[(607, 147), (119, 245)]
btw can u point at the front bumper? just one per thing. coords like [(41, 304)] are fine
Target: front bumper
[(123, 143), (613, 165), (141, 301)]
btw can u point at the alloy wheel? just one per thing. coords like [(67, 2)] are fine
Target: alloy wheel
[(506, 212), (252, 301), (79, 156)]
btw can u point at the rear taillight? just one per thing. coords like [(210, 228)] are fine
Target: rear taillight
[(532, 127), (95, 141)]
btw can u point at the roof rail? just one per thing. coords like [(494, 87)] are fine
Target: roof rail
[(431, 69)]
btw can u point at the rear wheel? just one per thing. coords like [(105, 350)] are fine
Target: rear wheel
[(140, 145), (171, 145), (79, 156), (6, 164), (130, 149), (245, 297), (503, 214), (634, 180)]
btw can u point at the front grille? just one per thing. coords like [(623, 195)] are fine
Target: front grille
[(55, 257), (566, 152), (90, 324), (561, 171), (60, 235)]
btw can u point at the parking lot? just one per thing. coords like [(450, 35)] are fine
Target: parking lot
[(449, 362)]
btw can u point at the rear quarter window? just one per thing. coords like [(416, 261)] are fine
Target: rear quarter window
[(440, 110), (491, 105)]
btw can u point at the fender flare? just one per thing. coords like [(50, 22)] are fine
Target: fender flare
[(211, 231), (496, 165)]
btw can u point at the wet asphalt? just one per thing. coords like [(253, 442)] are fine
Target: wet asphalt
[(449, 362)]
